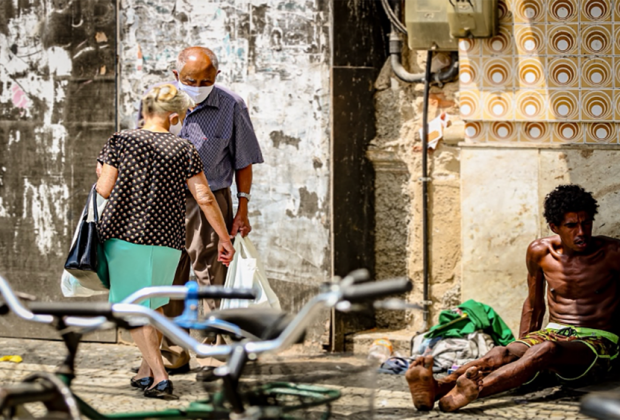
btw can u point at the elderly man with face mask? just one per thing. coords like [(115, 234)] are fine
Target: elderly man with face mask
[(220, 129)]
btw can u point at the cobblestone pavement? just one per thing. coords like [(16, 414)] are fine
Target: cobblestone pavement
[(103, 373)]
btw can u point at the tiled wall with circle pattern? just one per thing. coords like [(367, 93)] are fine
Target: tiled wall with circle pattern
[(550, 75)]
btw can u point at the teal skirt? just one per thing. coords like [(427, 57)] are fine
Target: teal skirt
[(133, 267)]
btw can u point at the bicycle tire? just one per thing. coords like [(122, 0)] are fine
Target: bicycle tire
[(290, 397)]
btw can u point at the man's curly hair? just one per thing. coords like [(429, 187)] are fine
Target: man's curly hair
[(568, 198)]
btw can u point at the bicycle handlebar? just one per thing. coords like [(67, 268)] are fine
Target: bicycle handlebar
[(132, 314), (375, 290), (221, 292), (105, 309), (83, 309), (180, 292), (601, 405)]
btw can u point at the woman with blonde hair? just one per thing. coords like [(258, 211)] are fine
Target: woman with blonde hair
[(145, 173)]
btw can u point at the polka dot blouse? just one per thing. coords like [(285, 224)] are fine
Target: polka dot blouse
[(147, 203)]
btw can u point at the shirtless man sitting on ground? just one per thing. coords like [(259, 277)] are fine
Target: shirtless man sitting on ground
[(582, 274)]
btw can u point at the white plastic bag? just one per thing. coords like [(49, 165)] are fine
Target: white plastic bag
[(246, 271), (71, 287)]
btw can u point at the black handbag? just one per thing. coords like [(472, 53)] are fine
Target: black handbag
[(86, 261)]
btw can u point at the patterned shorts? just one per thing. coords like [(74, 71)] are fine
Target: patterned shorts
[(602, 343)]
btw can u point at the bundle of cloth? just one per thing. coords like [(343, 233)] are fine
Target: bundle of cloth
[(463, 334), (449, 353)]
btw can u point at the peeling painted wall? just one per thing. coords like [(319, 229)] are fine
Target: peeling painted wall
[(275, 54), (56, 64), (57, 107)]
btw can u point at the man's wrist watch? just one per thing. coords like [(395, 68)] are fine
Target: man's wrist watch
[(247, 196)]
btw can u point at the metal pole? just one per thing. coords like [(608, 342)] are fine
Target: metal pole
[(425, 180)]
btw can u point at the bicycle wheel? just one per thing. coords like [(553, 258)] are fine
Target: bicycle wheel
[(309, 388), (50, 397), (290, 396)]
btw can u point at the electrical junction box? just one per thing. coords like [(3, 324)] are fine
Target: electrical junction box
[(438, 24), (473, 18)]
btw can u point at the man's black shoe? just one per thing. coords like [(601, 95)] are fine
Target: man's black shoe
[(205, 374), (178, 371), (171, 371)]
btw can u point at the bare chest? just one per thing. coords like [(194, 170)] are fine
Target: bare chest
[(580, 278)]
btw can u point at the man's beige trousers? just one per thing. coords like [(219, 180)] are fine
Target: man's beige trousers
[(201, 245)]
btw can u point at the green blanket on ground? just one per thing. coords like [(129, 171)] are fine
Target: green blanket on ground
[(476, 316)]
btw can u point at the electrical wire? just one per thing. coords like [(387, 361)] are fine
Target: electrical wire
[(392, 17)]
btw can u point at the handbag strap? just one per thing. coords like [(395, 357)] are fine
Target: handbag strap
[(92, 208)]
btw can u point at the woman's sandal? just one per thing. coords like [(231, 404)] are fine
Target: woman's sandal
[(162, 390), (142, 383)]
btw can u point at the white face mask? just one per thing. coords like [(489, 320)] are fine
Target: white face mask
[(198, 94), (176, 128)]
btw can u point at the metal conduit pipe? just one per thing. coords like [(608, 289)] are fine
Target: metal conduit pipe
[(450, 73), (396, 45)]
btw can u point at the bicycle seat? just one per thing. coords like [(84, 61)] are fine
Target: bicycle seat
[(263, 323)]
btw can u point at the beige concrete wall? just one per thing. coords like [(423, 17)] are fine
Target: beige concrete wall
[(502, 195), (531, 150), (486, 198)]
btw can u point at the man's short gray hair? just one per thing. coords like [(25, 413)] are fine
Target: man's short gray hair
[(187, 52)]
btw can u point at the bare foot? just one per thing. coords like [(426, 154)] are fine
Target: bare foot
[(466, 390), (421, 383)]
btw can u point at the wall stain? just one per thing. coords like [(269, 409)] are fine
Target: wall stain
[(278, 138), (308, 203)]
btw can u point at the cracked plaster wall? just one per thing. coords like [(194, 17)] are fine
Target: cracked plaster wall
[(485, 203), (275, 54), (486, 200), (505, 181), (502, 203), (56, 62), (57, 108)]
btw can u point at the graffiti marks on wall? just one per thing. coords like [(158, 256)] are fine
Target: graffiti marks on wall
[(275, 54), (54, 59)]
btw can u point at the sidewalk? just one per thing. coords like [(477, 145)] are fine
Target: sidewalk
[(103, 373)]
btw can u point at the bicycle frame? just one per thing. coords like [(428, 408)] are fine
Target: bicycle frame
[(238, 354), (213, 408)]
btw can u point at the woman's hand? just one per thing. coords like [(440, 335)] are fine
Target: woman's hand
[(225, 252)]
